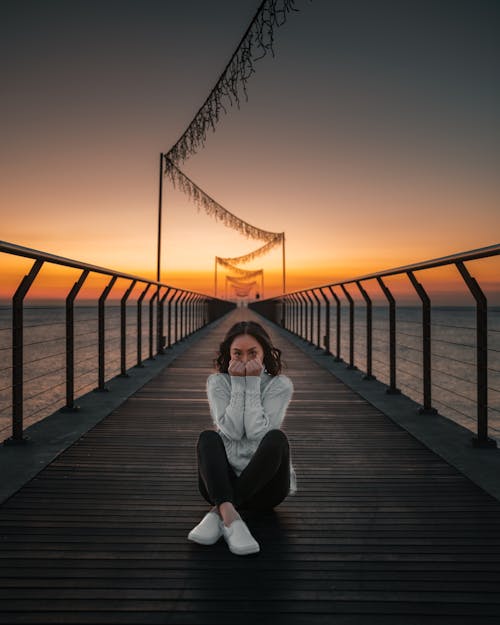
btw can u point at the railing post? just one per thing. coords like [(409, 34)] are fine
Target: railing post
[(102, 335), (17, 354), (426, 343), (482, 439), (318, 321), (139, 325), (392, 390), (311, 318), (169, 329), (283, 311), (294, 313), (176, 307), (368, 302), (182, 302), (70, 343), (198, 319), (304, 316), (326, 338), (337, 322), (151, 324), (351, 327), (123, 329), (192, 300), (160, 315), (189, 318)]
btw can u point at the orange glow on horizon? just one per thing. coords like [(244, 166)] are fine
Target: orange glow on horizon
[(55, 282)]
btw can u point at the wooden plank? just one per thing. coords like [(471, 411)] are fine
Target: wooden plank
[(381, 531)]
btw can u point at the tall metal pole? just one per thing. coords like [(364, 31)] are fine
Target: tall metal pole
[(284, 272), (160, 201)]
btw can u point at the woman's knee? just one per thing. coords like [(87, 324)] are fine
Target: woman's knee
[(276, 437), (208, 438)]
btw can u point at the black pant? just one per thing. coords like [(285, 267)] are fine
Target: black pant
[(262, 484)]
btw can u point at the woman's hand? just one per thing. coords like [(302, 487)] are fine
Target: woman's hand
[(237, 368), (254, 367)]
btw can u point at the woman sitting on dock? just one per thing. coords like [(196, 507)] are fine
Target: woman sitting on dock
[(245, 464)]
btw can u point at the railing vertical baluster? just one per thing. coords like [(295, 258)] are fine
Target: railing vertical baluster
[(182, 307), (392, 390), (304, 316), (17, 353), (338, 323), (70, 343), (351, 327), (192, 311), (161, 336), (176, 308), (298, 314), (205, 311), (426, 343), (139, 325), (169, 328), (102, 334), (197, 309), (151, 324), (482, 439), (326, 338), (192, 302), (368, 301), (311, 318), (318, 320), (294, 313), (123, 329)]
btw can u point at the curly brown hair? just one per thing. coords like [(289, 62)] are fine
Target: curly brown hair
[(272, 355)]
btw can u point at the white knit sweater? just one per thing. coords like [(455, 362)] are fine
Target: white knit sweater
[(244, 409)]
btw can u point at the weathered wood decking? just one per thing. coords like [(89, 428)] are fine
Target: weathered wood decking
[(381, 530)]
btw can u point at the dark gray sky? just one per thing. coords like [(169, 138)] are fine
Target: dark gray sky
[(372, 138)]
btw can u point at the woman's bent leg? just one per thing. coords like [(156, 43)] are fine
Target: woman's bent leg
[(214, 471), (265, 481)]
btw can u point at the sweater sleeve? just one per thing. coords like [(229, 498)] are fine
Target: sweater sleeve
[(267, 412), (227, 404)]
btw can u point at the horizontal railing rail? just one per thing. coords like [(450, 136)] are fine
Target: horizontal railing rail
[(186, 312), (300, 312)]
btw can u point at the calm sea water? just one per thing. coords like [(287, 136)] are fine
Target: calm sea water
[(453, 356), (45, 355)]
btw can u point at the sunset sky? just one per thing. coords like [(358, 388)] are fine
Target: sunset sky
[(371, 139)]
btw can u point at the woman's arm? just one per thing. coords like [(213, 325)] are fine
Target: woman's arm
[(267, 413), (227, 403)]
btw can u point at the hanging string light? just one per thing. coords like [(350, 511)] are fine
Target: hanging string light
[(240, 260), (214, 209), (257, 41), (238, 270)]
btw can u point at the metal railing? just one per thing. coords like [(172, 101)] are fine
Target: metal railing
[(186, 312), (307, 312)]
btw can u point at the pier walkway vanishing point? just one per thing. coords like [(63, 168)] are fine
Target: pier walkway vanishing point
[(381, 530)]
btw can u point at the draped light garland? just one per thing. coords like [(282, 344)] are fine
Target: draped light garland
[(237, 281), (214, 209), (259, 252), (242, 289), (257, 41), (238, 270)]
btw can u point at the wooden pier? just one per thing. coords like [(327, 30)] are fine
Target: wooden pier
[(381, 531)]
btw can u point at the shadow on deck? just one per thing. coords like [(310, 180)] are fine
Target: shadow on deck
[(382, 530)]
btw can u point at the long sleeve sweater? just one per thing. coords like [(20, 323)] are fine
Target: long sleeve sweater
[(244, 409)]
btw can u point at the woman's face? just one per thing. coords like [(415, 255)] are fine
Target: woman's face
[(245, 347)]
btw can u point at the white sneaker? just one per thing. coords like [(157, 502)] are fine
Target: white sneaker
[(208, 531), (239, 539)]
